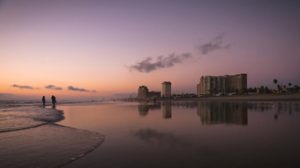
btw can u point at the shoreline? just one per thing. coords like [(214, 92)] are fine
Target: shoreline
[(45, 128), (262, 97), (39, 116)]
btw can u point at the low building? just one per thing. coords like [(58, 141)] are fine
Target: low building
[(166, 89), (213, 85), (154, 95)]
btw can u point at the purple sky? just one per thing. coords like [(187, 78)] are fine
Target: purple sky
[(115, 46)]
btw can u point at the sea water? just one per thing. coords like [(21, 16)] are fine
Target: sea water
[(190, 134)]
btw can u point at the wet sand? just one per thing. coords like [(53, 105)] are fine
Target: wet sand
[(30, 138), (198, 134)]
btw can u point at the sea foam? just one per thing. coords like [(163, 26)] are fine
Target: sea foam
[(18, 118)]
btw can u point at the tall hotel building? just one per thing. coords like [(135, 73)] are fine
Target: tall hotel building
[(166, 90), (143, 92), (210, 85)]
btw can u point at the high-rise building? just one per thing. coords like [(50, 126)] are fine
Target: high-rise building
[(143, 92), (236, 83), (166, 89), (210, 85)]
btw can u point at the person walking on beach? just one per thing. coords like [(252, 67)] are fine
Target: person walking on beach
[(53, 98), (44, 101)]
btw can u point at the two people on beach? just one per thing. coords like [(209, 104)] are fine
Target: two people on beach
[(53, 99)]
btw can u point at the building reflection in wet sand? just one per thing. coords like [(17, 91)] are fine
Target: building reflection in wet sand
[(209, 112), (223, 113), (144, 108), (166, 109)]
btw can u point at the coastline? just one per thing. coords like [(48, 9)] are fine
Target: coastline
[(261, 97), (31, 134), (29, 117)]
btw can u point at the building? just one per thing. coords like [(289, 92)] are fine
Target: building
[(154, 95), (166, 89), (213, 85), (143, 92), (236, 83)]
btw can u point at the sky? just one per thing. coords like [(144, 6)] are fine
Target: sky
[(98, 48)]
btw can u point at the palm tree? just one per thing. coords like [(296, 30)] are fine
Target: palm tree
[(279, 87), (290, 89), (275, 81), (296, 87)]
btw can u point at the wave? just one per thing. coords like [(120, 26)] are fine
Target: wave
[(63, 145), (25, 117)]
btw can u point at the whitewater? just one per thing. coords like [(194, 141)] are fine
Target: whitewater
[(30, 137)]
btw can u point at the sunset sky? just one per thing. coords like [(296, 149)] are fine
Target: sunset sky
[(91, 48)]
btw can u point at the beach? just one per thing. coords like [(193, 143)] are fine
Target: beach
[(190, 133), (149, 84), (30, 137), (178, 134), (253, 97)]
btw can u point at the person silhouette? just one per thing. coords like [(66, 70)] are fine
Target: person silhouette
[(44, 101), (53, 98)]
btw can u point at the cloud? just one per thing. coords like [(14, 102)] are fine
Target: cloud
[(216, 44), (5, 94), (53, 87), (150, 64), (152, 136), (147, 65), (22, 86), (72, 88)]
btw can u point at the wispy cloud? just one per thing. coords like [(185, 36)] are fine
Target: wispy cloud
[(72, 88), (216, 44), (152, 136), (22, 86), (5, 94), (53, 87), (148, 64)]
